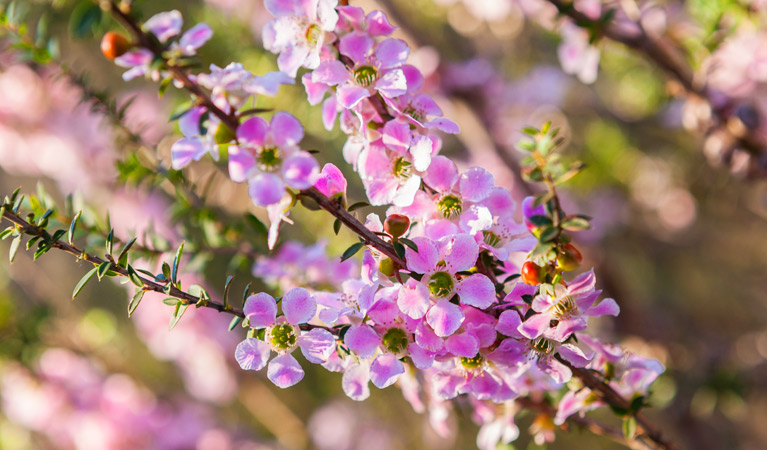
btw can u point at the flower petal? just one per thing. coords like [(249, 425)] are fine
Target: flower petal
[(444, 318), (476, 184), (260, 310), (413, 299), (299, 306), (317, 345), (425, 259), (464, 344), (459, 252), (301, 170), (186, 150), (252, 354), (476, 290), (286, 129), (508, 324), (266, 189), (252, 132), (362, 340), (355, 382), (284, 371), (385, 370)]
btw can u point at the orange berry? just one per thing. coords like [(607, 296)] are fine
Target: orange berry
[(396, 225), (531, 273), (114, 45)]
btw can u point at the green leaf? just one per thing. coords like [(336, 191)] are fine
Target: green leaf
[(14, 248), (7, 232), (246, 292), (257, 225), (103, 269), (358, 205), (541, 250), (399, 249), (83, 281), (336, 226), (166, 271), (576, 223), (234, 322), (72, 227), (122, 259), (629, 427), (548, 234), (180, 309), (539, 220), (135, 301), (57, 235), (530, 131), (177, 261), (227, 286), (351, 251), (110, 241), (413, 246), (170, 301), (84, 19), (32, 241), (134, 277)]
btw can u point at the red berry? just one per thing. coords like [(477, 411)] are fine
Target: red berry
[(531, 273), (396, 225), (114, 45)]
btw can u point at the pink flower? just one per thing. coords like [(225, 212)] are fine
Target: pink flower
[(331, 181), (268, 156), (164, 25), (282, 335), (299, 32)]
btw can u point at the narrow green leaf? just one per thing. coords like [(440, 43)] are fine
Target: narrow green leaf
[(358, 205), (170, 301), (103, 269), (413, 246), (336, 226), (83, 281), (399, 249), (110, 241), (540, 221), (134, 277), (530, 131), (135, 301), (541, 250), (234, 322), (227, 286), (57, 235), (351, 251), (629, 427), (180, 309), (177, 261), (5, 233), (32, 241), (166, 271), (576, 223), (126, 248), (14, 248), (72, 227), (246, 293)]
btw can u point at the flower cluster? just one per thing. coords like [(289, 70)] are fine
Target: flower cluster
[(441, 307)]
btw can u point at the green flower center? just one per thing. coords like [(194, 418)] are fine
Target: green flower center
[(395, 340), (401, 168), (490, 238), (365, 75), (415, 113), (283, 337), (540, 348), (473, 363), (313, 34), (441, 284), (450, 205), (564, 307), (268, 158)]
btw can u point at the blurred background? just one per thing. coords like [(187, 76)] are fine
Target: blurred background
[(679, 242)]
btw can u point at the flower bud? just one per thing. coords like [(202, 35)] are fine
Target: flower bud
[(531, 273), (387, 267), (114, 45), (224, 134), (396, 225), (570, 258)]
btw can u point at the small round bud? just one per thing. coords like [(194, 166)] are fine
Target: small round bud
[(570, 258), (396, 225), (531, 273), (386, 267), (224, 134), (114, 45)]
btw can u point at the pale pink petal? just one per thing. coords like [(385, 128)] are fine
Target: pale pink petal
[(392, 83), (135, 58), (286, 130), (535, 325), (421, 149), (284, 371), (357, 46), (441, 173), (464, 345), (241, 164), (406, 193), (425, 259), (444, 318), (301, 170), (573, 355), (362, 340), (252, 132), (317, 345), (422, 359), (331, 181), (329, 113), (508, 324), (476, 184), (459, 252), (385, 370), (292, 58), (331, 72), (484, 386), (164, 25), (279, 8), (269, 84), (260, 310), (392, 53), (349, 95), (315, 91), (378, 24), (427, 339), (252, 354), (195, 38), (266, 189), (186, 150), (607, 306), (299, 306), (189, 123), (355, 382), (397, 135), (476, 290), (413, 299)]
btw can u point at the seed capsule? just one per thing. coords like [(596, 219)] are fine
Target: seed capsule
[(114, 45)]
